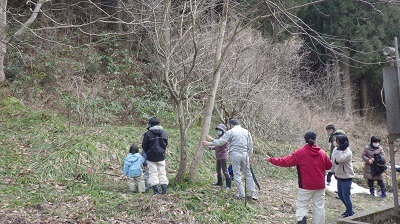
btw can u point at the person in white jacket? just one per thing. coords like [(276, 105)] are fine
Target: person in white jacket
[(343, 168)]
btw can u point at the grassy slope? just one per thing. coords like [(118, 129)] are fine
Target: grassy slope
[(54, 172)]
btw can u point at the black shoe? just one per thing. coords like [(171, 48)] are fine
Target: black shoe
[(347, 215), (343, 214)]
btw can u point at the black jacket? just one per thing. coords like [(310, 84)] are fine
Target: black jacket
[(155, 142)]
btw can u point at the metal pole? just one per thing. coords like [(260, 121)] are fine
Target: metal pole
[(391, 146), (396, 50), (394, 179)]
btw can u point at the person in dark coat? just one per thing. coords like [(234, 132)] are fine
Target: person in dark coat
[(155, 142), (370, 152)]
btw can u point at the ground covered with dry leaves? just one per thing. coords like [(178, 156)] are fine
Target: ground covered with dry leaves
[(276, 204)]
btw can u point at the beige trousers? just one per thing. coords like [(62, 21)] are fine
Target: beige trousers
[(157, 173), (304, 199), (136, 184)]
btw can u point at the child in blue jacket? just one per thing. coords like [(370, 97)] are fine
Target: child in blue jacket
[(133, 169)]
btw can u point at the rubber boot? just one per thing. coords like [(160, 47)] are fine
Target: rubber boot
[(155, 189), (163, 189), (228, 183), (219, 182), (372, 191), (383, 192), (303, 221)]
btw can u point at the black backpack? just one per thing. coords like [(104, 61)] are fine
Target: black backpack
[(378, 166)]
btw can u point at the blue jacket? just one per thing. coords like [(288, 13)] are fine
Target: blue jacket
[(133, 165)]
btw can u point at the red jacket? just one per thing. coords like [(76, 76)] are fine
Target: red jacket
[(311, 162)]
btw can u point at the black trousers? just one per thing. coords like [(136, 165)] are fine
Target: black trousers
[(221, 166), (380, 183)]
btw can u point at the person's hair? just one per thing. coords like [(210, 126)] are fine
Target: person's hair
[(133, 149), (310, 137), (330, 126), (234, 122), (375, 139), (341, 139)]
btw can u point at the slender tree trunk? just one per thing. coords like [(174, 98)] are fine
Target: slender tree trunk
[(194, 168), (363, 96), (183, 131), (347, 89), (3, 37)]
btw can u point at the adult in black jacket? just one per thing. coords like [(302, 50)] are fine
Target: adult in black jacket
[(155, 142)]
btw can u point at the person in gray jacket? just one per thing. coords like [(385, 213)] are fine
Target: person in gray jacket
[(241, 150)]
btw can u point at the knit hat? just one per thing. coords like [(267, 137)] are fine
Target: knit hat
[(375, 139), (310, 137), (153, 121), (234, 122), (222, 127)]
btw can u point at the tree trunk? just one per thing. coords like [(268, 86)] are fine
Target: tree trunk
[(3, 37), (363, 97), (183, 131), (194, 168), (347, 89)]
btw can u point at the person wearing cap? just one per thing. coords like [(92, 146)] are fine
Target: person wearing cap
[(311, 162), (241, 150), (221, 154), (344, 173), (155, 142), (372, 151)]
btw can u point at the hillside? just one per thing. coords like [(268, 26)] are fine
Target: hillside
[(57, 172)]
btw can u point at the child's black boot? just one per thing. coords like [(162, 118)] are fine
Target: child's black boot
[(163, 188), (155, 189)]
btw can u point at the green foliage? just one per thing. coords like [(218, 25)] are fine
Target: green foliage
[(360, 30), (12, 106)]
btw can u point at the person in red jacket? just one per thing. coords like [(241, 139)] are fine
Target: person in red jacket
[(311, 162)]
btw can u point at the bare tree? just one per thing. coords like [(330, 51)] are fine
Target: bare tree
[(4, 40)]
